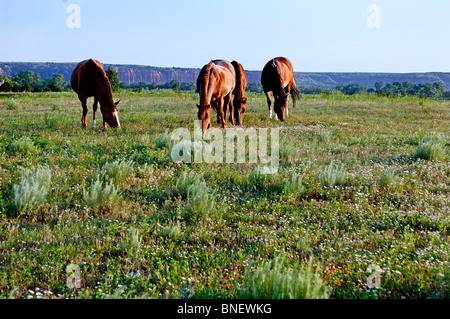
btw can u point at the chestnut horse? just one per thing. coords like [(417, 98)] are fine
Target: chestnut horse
[(278, 77), (215, 84), (239, 100), (89, 79)]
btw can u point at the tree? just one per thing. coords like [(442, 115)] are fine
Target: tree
[(27, 77), (378, 86), (56, 83), (113, 77)]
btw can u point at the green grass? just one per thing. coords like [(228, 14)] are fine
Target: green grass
[(139, 225)]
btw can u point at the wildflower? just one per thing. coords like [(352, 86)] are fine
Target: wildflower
[(195, 270)]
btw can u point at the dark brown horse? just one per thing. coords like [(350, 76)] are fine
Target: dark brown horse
[(278, 77), (239, 100), (89, 79), (215, 84)]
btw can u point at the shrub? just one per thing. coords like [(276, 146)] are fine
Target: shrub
[(172, 230), (271, 280), (294, 186), (32, 188), (163, 140), (57, 120), (145, 170), (186, 180), (145, 139), (200, 202), (324, 136), (12, 105), (432, 147), (332, 175), (260, 174), (23, 145), (388, 177), (102, 196), (286, 152), (118, 170)]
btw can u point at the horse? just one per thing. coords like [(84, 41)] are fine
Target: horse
[(278, 76), (89, 79), (239, 100), (215, 85)]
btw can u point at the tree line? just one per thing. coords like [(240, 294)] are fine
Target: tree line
[(434, 90), (29, 81)]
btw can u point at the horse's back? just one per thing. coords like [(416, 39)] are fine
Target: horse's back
[(224, 75), (279, 68), (87, 77)]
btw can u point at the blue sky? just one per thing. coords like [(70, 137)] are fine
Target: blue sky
[(317, 36)]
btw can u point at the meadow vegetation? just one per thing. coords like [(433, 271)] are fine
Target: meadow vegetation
[(361, 196)]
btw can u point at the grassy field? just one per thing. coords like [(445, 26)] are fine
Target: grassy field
[(358, 209)]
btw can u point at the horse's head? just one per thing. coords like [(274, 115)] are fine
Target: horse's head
[(239, 109), (280, 105), (204, 114), (111, 115)]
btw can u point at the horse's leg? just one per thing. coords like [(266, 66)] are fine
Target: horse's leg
[(269, 102), (216, 109), (229, 101), (220, 109), (83, 100), (94, 107), (287, 90)]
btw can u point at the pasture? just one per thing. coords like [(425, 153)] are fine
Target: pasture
[(359, 204)]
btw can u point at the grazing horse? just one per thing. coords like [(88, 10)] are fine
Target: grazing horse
[(89, 79), (239, 100), (278, 77), (215, 84)]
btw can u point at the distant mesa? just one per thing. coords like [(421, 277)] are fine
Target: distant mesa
[(160, 75)]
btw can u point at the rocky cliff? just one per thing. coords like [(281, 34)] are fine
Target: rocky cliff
[(158, 75)]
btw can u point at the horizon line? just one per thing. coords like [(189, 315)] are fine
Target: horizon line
[(198, 68)]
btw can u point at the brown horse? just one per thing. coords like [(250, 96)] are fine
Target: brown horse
[(89, 79), (239, 100), (215, 84), (278, 77)]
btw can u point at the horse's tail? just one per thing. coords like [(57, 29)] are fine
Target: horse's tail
[(295, 92), (241, 79)]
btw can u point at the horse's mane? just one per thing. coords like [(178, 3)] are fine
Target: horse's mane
[(241, 79), (206, 77), (103, 77)]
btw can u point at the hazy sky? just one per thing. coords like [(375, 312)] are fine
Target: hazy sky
[(316, 35)]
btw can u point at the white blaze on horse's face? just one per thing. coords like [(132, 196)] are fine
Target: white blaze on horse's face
[(116, 115)]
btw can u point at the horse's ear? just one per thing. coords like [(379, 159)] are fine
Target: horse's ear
[(117, 102)]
